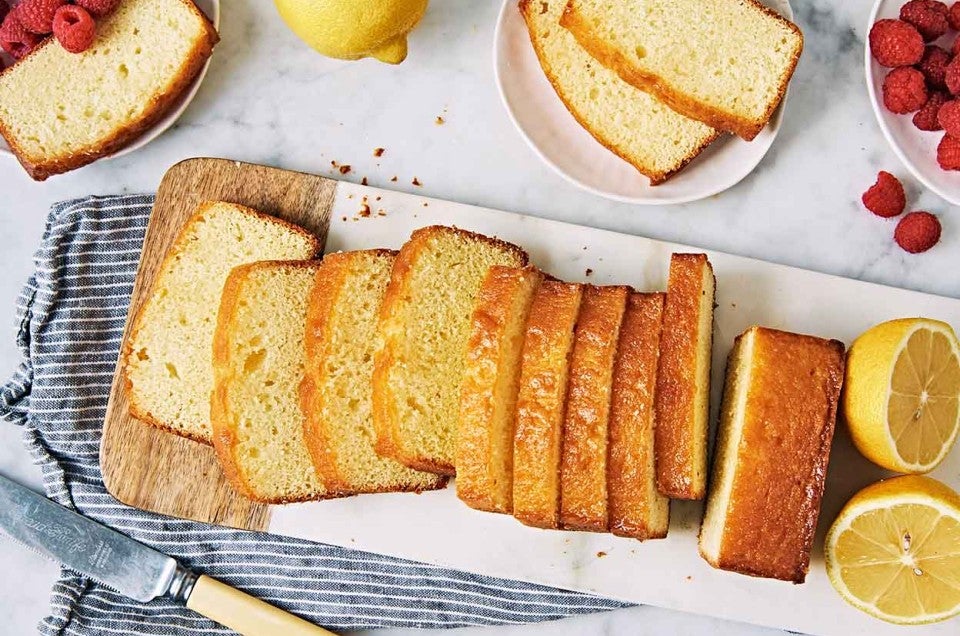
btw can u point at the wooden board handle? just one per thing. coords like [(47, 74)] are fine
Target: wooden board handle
[(245, 614)]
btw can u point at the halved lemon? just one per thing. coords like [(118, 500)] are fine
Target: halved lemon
[(902, 393), (894, 551)]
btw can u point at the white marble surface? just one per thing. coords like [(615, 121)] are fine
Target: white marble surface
[(269, 99)]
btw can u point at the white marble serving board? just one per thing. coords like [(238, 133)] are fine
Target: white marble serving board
[(436, 528)]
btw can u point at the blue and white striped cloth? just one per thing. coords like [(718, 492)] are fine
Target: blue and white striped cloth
[(71, 315)]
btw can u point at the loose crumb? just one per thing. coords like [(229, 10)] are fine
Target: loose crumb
[(344, 219), (584, 247), (425, 204), (601, 554), (416, 182), (350, 196), (377, 199), (689, 578), (394, 178), (363, 181), (364, 208), (345, 169), (589, 272), (378, 152), (440, 121), (381, 212)]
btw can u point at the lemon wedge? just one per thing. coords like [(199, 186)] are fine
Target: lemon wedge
[(894, 551), (902, 394)]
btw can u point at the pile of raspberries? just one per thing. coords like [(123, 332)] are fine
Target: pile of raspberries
[(925, 79), (27, 23), (917, 231)]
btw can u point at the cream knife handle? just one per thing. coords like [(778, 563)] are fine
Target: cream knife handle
[(245, 614)]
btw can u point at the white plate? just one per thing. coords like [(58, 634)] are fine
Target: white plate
[(574, 154), (917, 149), (211, 8)]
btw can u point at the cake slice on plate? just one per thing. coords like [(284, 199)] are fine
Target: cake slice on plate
[(60, 110)]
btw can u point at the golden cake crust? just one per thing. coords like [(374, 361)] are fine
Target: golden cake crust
[(583, 466), (681, 432), (637, 509), (780, 464), (541, 403)]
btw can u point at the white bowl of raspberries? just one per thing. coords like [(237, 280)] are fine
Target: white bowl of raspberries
[(912, 64)]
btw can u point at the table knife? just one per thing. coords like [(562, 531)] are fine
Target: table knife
[(133, 569)]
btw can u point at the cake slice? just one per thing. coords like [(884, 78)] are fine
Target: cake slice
[(335, 395), (60, 110), (637, 509), (424, 324), (682, 401), (643, 131), (722, 62), (583, 461), (259, 360), (488, 395), (776, 426), (541, 402), (167, 356)]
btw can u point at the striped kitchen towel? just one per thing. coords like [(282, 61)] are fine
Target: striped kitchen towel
[(70, 320)]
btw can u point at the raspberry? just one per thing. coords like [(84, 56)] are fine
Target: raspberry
[(74, 28), (917, 232), (949, 118), (928, 16), (951, 75), (14, 37), (948, 153), (904, 90), (934, 66), (98, 8), (953, 16), (926, 117), (895, 43), (885, 197), (37, 15)]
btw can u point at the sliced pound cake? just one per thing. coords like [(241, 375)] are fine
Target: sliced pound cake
[(259, 359), (424, 324), (682, 400), (488, 395), (583, 461), (636, 126), (541, 403), (335, 395), (773, 446), (60, 111), (722, 62), (637, 509), (167, 356)]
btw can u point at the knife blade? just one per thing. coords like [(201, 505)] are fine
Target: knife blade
[(132, 568)]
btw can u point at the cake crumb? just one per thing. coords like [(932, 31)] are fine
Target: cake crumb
[(394, 178), (440, 121), (350, 196), (601, 554), (344, 219), (363, 181), (689, 578), (345, 169), (425, 204), (377, 199), (416, 182), (381, 212), (589, 272), (378, 152), (364, 208)]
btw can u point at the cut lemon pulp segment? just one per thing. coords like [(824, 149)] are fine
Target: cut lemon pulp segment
[(902, 394), (894, 551)]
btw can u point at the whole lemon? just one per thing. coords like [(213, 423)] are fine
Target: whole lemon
[(354, 29)]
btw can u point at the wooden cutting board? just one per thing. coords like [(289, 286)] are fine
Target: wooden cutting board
[(147, 468)]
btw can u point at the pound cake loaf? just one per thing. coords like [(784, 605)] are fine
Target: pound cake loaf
[(60, 110), (424, 324), (541, 402), (773, 446), (722, 62), (491, 380), (167, 356), (258, 361), (583, 460), (682, 400), (637, 509), (642, 130), (335, 395)]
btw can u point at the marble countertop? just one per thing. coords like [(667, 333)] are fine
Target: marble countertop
[(269, 99)]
